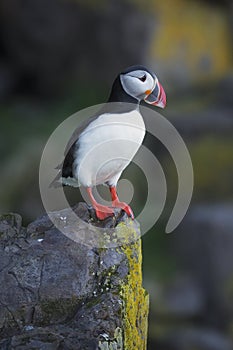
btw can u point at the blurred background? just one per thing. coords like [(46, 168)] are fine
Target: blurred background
[(59, 56)]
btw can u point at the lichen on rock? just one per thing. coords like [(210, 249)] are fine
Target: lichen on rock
[(60, 294), (136, 300)]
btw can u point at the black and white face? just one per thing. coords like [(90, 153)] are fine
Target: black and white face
[(140, 84), (137, 83)]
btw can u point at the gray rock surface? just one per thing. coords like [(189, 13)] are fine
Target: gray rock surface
[(56, 293)]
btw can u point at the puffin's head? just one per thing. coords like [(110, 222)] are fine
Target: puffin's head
[(141, 84)]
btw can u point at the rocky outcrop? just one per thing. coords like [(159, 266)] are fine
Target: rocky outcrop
[(59, 294)]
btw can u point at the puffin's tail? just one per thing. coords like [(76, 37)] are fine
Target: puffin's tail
[(60, 181), (57, 181)]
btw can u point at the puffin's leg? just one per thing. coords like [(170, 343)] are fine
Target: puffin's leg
[(102, 211), (117, 204)]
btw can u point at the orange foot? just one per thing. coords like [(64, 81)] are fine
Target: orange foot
[(103, 212), (125, 207)]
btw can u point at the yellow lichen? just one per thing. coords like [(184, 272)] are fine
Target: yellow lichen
[(136, 300)]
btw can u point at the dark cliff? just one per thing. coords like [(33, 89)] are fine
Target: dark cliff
[(59, 294)]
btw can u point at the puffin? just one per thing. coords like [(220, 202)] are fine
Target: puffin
[(104, 145)]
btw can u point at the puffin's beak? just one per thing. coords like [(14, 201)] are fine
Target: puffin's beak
[(156, 97)]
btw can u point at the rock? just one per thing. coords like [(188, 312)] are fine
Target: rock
[(59, 294)]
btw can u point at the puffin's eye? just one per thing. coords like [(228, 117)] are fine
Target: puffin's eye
[(143, 78)]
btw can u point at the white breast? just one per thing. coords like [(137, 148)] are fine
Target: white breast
[(107, 146)]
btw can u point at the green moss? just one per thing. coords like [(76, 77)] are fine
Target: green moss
[(92, 302), (53, 311)]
